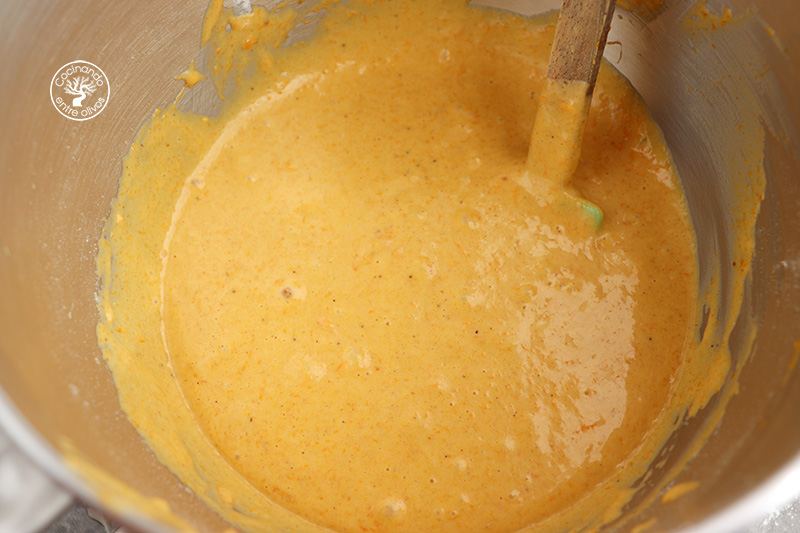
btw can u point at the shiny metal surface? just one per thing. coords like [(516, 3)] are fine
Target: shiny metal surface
[(58, 177), (29, 500)]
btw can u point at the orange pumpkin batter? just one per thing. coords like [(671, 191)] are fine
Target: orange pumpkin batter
[(337, 305)]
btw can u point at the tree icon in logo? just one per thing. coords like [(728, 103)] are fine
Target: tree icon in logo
[(80, 87)]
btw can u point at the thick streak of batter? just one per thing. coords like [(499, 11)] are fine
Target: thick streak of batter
[(348, 305)]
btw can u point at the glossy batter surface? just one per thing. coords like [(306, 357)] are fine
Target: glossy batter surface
[(355, 307)]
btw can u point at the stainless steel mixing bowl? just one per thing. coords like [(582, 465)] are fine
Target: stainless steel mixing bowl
[(710, 90)]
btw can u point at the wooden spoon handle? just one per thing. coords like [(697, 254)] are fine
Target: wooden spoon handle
[(580, 39)]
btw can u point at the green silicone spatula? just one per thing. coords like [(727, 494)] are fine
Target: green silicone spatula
[(565, 98)]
